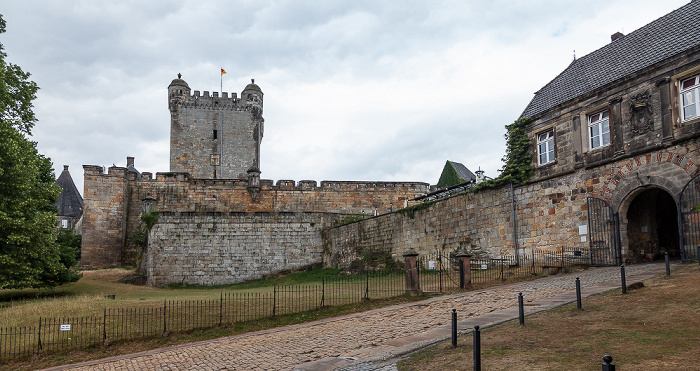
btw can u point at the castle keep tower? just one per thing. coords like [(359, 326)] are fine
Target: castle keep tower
[(214, 137)]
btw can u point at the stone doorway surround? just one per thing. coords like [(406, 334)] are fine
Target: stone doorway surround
[(665, 171)]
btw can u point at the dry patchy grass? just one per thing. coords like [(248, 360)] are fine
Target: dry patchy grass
[(653, 328)]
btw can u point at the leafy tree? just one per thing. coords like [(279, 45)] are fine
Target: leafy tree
[(29, 253), (517, 162)]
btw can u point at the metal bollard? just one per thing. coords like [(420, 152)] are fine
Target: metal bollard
[(477, 348), (578, 293), (454, 328), (608, 366), (698, 254), (668, 264), (624, 280), (521, 309)]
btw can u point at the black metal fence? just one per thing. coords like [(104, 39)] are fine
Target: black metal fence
[(53, 334), (533, 263), (440, 272)]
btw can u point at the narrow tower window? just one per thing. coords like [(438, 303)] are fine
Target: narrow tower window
[(215, 134)]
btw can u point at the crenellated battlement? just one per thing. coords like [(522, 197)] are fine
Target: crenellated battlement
[(265, 184), (206, 100)]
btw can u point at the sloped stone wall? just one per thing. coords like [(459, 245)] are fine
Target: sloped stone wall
[(225, 248)]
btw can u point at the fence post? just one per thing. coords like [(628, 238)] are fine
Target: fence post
[(323, 291), (367, 287), (221, 308), (608, 366), (410, 263), (465, 270), (623, 279), (38, 348), (578, 293), (274, 299), (440, 269), (668, 264), (521, 309), (104, 326), (454, 328), (165, 328), (477, 348)]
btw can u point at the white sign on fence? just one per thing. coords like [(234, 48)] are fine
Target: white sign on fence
[(431, 265), (484, 266), (65, 327)]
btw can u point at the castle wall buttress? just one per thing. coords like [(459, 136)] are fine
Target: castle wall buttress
[(104, 217)]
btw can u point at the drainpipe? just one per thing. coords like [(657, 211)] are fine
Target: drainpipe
[(515, 225)]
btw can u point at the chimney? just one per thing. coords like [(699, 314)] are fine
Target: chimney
[(65, 167), (129, 161), (616, 36)]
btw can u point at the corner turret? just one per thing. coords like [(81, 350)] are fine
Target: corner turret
[(252, 95), (178, 93)]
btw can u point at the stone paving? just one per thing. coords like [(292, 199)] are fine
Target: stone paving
[(363, 341)]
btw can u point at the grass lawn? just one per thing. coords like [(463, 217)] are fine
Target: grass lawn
[(87, 296), (656, 327)]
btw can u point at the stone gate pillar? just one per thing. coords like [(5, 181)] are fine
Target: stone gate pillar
[(411, 266), (465, 270)]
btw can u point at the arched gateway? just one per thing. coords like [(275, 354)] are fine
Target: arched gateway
[(655, 203)]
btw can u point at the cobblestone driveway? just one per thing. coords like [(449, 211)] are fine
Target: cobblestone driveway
[(351, 339)]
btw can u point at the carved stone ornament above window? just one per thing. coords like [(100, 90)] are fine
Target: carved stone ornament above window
[(641, 118)]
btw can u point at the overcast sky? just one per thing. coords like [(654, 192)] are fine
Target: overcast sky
[(354, 90)]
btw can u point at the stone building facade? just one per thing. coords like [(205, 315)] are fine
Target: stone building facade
[(618, 128)]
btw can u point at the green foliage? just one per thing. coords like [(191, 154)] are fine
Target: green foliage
[(150, 219), (411, 210), (347, 219), (16, 93), (29, 253), (449, 176), (517, 166), (140, 236)]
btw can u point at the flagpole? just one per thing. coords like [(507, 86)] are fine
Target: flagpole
[(222, 83)]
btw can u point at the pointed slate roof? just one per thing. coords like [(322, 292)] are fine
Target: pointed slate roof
[(70, 202), (663, 38), (462, 171)]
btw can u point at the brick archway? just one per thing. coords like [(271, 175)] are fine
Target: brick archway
[(663, 169), (643, 176)]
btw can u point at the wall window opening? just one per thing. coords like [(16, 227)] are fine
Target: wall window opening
[(690, 98), (545, 147), (598, 130)]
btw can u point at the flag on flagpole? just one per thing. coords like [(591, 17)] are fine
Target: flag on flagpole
[(222, 72)]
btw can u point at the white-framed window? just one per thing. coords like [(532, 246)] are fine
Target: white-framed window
[(545, 147), (598, 130), (690, 98)]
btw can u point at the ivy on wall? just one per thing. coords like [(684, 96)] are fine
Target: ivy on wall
[(449, 176), (517, 167)]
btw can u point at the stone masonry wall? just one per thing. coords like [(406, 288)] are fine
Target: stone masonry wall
[(104, 216), (216, 249), (115, 201), (548, 213)]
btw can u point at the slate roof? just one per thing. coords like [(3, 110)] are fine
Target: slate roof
[(663, 38), (70, 202), (462, 171)]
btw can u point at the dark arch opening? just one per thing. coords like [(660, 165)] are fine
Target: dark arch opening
[(652, 226)]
